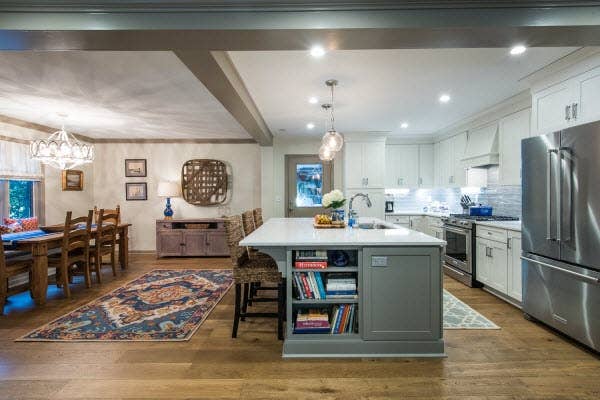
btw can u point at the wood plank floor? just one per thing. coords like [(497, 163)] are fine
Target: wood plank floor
[(521, 361)]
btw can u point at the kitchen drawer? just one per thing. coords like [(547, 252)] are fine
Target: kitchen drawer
[(486, 232), (398, 219), (435, 221)]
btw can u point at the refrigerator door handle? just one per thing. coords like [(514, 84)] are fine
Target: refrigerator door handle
[(567, 160), (548, 193), (583, 277), (559, 198)]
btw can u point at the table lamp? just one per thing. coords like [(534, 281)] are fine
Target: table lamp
[(168, 190)]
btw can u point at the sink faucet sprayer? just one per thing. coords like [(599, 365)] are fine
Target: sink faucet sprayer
[(353, 215)]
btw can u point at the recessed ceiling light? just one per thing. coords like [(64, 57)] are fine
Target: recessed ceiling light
[(310, 125), (404, 125), (317, 51), (444, 98), (517, 50), (313, 100)]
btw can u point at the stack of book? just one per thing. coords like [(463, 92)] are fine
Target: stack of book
[(308, 285), (341, 285), (344, 319), (312, 321), (311, 259)]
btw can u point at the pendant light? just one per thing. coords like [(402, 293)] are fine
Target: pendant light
[(332, 139)]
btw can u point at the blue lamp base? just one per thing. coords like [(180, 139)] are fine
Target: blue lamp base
[(168, 210)]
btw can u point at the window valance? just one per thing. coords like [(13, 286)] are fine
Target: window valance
[(15, 162)]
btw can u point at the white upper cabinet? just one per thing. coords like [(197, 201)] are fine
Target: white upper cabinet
[(568, 103), (459, 176), (512, 129), (448, 154), (426, 165), (402, 166), (364, 164)]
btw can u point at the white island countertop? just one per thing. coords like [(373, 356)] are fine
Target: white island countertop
[(301, 232)]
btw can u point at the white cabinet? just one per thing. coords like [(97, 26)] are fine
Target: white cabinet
[(377, 197), (426, 165), (402, 166), (514, 289), (402, 220), (364, 164), (483, 267), (448, 155), (492, 264), (512, 129), (419, 223), (568, 103), (459, 176)]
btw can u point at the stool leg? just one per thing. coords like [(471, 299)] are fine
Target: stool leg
[(280, 308), (245, 301), (236, 316)]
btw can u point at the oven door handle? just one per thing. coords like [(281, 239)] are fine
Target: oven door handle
[(454, 270), (456, 230)]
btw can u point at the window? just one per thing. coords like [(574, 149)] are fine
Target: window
[(309, 185), (20, 198)]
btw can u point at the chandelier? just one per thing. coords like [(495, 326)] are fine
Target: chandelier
[(61, 150), (332, 140)]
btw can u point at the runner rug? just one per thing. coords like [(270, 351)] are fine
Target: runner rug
[(458, 315), (161, 305)]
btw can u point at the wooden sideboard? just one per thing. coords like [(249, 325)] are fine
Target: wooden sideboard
[(191, 238)]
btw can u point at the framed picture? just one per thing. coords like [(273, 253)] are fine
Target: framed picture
[(72, 179), (136, 191), (135, 167)]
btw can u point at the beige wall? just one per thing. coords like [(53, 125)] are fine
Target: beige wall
[(56, 201), (164, 162)]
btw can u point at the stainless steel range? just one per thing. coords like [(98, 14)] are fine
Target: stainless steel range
[(459, 233)]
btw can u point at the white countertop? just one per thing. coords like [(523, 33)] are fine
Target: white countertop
[(429, 213), (300, 232), (510, 225)]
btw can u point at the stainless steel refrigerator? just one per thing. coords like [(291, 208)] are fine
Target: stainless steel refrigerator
[(561, 231)]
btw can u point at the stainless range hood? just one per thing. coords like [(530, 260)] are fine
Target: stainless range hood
[(482, 148)]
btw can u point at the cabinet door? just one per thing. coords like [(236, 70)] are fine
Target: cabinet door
[(373, 164), (426, 165), (216, 244), (170, 243), (445, 152), (401, 294), (482, 268), (195, 243), (515, 288), (353, 173), (459, 173), (392, 180), (588, 89), (549, 113), (499, 266), (409, 166), (512, 129)]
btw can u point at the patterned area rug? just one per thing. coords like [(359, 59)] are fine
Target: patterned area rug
[(458, 315), (161, 305)]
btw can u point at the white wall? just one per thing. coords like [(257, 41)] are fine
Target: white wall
[(164, 162), (57, 201)]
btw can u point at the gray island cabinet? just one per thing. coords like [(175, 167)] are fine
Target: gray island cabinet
[(398, 301)]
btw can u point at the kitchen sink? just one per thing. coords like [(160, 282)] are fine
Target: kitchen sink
[(371, 225)]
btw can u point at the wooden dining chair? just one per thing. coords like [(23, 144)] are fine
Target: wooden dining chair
[(105, 241), (258, 219), (117, 210), (247, 271), (12, 266), (74, 251)]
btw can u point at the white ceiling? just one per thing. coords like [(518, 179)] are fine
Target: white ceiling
[(380, 89), (113, 95)]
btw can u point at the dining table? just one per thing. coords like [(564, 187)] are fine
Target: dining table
[(40, 241)]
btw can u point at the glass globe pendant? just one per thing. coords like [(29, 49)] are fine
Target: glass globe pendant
[(325, 153), (332, 138)]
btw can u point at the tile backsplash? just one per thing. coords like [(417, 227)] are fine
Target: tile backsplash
[(506, 200)]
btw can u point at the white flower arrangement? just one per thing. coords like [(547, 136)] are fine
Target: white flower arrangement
[(334, 199)]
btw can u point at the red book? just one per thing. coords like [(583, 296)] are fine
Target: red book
[(310, 264), (309, 292)]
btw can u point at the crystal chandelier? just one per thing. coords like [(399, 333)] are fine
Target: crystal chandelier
[(332, 139), (61, 150)]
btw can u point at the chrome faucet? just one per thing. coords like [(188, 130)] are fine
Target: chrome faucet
[(353, 215)]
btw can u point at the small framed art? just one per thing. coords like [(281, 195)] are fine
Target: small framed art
[(72, 179), (136, 191), (135, 168)]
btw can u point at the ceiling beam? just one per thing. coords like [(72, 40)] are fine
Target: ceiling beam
[(218, 74)]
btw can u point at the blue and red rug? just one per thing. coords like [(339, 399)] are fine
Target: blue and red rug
[(162, 305)]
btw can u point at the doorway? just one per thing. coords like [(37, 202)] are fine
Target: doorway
[(307, 179)]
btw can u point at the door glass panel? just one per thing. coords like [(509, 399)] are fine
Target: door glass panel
[(457, 246), (309, 185)]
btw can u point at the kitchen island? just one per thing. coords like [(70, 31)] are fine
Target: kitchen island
[(397, 306)]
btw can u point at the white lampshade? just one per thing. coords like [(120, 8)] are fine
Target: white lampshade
[(169, 189)]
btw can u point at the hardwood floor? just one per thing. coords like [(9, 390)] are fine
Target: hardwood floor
[(521, 361)]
